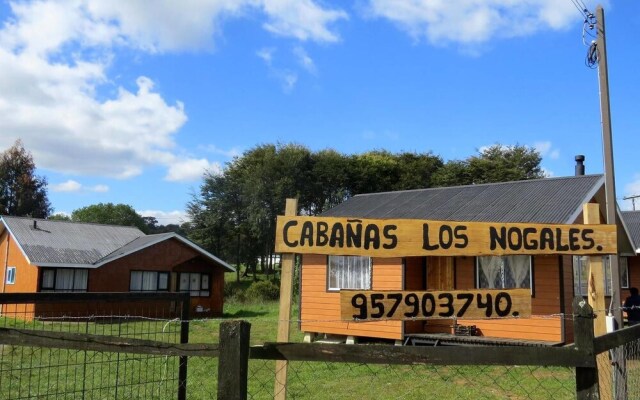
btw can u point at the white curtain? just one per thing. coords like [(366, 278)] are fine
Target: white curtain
[(149, 280), (48, 276), (80, 279), (520, 272), (490, 272), (349, 272), (163, 281), (136, 281), (64, 279), (184, 282)]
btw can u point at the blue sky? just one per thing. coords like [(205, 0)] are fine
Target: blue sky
[(130, 102)]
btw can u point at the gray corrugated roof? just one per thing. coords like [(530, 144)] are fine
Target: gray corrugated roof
[(632, 221), (68, 242), (549, 200), (72, 244)]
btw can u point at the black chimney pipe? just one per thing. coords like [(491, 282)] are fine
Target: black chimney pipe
[(579, 165)]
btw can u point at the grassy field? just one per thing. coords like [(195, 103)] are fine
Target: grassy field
[(34, 373)]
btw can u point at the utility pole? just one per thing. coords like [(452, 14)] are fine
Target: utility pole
[(607, 143)]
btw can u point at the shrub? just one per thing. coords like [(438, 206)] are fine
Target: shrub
[(262, 291)]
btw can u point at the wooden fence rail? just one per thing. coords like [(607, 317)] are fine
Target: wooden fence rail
[(234, 351)]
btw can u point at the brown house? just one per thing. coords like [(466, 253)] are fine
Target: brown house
[(59, 256), (553, 280)]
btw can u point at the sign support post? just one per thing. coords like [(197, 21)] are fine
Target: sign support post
[(595, 297), (284, 315)]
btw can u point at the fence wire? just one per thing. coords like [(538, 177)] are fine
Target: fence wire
[(619, 372), (320, 380), (48, 373)]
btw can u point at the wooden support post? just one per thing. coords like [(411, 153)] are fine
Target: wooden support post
[(596, 299), (233, 364), (586, 377), (286, 298)]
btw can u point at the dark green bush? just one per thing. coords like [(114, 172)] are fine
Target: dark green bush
[(262, 291)]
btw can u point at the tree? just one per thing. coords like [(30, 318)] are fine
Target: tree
[(109, 213), (497, 163), (22, 193), (59, 217)]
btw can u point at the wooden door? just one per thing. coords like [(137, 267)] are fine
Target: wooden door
[(440, 273)]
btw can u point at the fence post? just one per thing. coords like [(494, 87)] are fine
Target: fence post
[(586, 377), (184, 338), (233, 364)]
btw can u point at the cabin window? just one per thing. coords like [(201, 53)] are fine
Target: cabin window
[(11, 275), (195, 283), (64, 280), (149, 281), (349, 272), (503, 272), (581, 274)]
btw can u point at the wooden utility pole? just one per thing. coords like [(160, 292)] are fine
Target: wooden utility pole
[(284, 318), (607, 143)]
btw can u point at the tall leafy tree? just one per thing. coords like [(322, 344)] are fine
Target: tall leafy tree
[(22, 193), (111, 214)]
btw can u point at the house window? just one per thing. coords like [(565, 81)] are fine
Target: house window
[(11, 275), (64, 280), (503, 272), (581, 274), (349, 272), (149, 281), (195, 283)]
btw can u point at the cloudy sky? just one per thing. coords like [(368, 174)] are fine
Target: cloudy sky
[(131, 101)]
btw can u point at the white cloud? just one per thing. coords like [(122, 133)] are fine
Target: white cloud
[(231, 153), (191, 169), (546, 150), (68, 186), (55, 58), (266, 54), (475, 21), (304, 60), (301, 19), (74, 186), (166, 217)]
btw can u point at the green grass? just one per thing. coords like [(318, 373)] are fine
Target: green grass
[(66, 374)]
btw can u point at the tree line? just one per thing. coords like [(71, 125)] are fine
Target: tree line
[(234, 213)]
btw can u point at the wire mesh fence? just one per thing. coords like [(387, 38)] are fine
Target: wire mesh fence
[(321, 380), (47, 372), (32, 372)]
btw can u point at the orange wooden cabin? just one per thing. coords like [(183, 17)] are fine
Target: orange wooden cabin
[(553, 280), (60, 256)]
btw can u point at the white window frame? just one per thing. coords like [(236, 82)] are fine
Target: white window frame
[(502, 273), (580, 285), (11, 276), (340, 267), (74, 280), (155, 281)]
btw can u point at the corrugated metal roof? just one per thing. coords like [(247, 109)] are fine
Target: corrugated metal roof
[(68, 242), (549, 200), (632, 221)]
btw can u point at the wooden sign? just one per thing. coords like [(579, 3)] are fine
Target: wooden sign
[(410, 237), (404, 305)]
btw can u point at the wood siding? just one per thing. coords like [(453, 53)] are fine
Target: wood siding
[(169, 255), (320, 309), (545, 324)]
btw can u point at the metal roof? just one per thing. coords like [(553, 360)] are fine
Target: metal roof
[(548, 200), (632, 221), (84, 245), (63, 242)]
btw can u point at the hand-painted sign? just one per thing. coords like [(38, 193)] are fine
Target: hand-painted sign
[(410, 237), (403, 305)]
